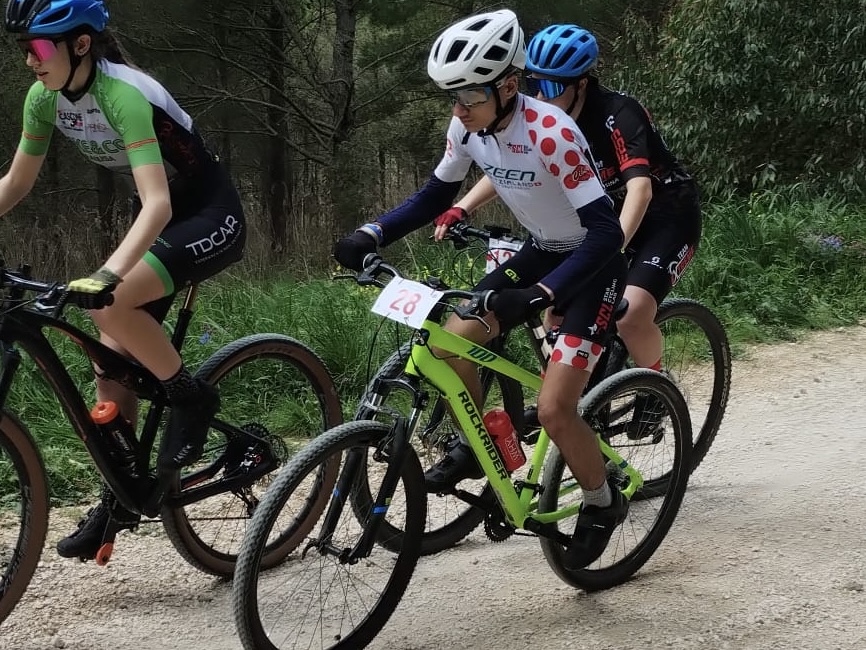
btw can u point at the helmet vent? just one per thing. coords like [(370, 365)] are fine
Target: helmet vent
[(56, 16), (497, 53), (457, 48), (477, 26)]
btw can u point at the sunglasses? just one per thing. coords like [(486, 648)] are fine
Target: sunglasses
[(471, 97), (42, 48), (547, 88)]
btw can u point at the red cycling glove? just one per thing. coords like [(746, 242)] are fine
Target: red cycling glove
[(451, 216)]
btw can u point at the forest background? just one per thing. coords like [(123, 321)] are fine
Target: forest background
[(325, 116)]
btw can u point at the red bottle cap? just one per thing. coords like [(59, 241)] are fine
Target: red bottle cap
[(104, 412)]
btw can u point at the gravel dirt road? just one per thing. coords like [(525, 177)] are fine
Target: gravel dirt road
[(767, 552)]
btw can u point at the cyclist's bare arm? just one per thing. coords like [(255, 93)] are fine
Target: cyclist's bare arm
[(480, 194), (152, 186), (19, 180), (639, 193)]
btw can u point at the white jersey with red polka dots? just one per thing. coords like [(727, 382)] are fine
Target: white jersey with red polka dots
[(540, 166)]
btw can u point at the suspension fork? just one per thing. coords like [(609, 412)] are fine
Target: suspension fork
[(393, 448)]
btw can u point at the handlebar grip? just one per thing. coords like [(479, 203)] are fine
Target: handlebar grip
[(87, 300), (370, 260)]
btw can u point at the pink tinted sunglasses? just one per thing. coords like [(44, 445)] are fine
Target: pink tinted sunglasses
[(42, 48)]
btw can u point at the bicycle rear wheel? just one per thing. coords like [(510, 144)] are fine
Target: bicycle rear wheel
[(697, 357), (449, 518), (648, 521), (277, 388), (319, 597), (23, 511)]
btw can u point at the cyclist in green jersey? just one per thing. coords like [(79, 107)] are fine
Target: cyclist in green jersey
[(188, 225)]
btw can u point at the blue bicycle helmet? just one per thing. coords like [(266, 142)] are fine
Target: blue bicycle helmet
[(54, 17), (562, 51)]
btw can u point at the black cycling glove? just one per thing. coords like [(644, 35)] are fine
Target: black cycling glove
[(350, 251)]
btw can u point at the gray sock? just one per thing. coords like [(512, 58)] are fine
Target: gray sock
[(600, 497)]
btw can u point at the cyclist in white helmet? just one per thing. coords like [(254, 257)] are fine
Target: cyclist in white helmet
[(539, 164), (656, 198)]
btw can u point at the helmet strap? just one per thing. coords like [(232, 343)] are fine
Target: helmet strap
[(74, 62), (501, 112)]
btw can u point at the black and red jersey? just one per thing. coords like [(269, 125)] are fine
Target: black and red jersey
[(625, 143)]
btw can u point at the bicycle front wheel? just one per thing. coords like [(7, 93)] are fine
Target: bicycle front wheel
[(274, 387), (449, 518), (23, 511), (609, 407), (322, 597)]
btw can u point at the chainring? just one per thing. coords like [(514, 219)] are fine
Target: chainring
[(496, 528)]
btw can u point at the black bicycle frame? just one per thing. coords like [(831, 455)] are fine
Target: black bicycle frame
[(26, 328)]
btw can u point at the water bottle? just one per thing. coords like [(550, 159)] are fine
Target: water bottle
[(118, 431), (504, 436)]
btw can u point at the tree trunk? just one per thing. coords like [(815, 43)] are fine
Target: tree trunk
[(276, 169), (341, 91)]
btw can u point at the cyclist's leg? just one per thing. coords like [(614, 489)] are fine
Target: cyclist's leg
[(587, 320), (662, 250), (526, 267), (86, 539), (203, 238)]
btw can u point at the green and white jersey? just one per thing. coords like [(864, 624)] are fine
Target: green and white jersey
[(124, 120)]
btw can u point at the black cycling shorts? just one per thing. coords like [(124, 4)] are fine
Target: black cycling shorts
[(587, 306), (664, 244), (203, 237)]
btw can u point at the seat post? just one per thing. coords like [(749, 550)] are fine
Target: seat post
[(184, 316)]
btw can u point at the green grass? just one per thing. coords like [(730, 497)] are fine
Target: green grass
[(771, 267)]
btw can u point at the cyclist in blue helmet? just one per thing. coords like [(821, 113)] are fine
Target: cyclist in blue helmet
[(188, 222), (656, 199)]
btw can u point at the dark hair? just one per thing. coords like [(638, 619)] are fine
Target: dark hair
[(105, 45)]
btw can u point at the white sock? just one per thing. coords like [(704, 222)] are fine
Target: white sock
[(600, 497)]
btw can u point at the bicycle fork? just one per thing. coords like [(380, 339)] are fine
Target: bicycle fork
[(392, 450)]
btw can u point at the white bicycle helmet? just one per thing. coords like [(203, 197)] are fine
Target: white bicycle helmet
[(477, 51)]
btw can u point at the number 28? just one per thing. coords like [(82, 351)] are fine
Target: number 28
[(406, 302)]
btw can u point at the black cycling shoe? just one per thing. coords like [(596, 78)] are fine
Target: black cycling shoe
[(186, 431), (531, 425), (85, 542), (646, 419), (593, 531), (457, 464)]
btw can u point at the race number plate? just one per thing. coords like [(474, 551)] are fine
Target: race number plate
[(500, 251), (406, 302)]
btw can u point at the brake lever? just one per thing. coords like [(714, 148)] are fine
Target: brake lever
[(455, 234), (53, 301), (470, 310)]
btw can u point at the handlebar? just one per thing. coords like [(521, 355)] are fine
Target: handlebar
[(51, 297), (475, 309), (461, 233)]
